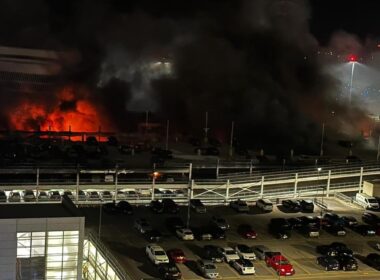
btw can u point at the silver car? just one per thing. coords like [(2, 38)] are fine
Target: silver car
[(43, 196), (239, 206), (106, 195), (14, 197), (29, 196), (207, 268), (93, 195)]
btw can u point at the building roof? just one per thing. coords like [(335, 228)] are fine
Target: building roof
[(41, 210)]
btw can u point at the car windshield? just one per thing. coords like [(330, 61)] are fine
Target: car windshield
[(210, 266), (106, 193), (173, 269), (246, 263), (187, 232), (230, 252), (16, 194), (246, 249), (371, 200), (159, 253), (284, 262)]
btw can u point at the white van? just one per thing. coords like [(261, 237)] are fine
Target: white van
[(369, 202)]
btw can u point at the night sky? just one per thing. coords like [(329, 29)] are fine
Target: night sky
[(356, 17)]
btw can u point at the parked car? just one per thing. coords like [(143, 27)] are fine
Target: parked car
[(174, 223), (373, 260), (177, 255), (202, 233), (217, 232), (307, 205), (334, 249), (106, 195), (349, 221), (93, 196), (54, 195), (260, 251), (170, 206), (335, 229), (333, 219), (156, 206), (185, 234), (239, 206), (124, 207), (347, 263), (328, 263), (82, 196), (197, 206), (14, 197), (246, 231), (153, 235), (3, 196), (365, 230), (169, 271), (371, 219), (280, 228), (229, 254), (219, 222), (244, 266), (120, 195), (245, 252), (142, 225), (291, 205), (207, 269), (156, 254), (295, 223), (212, 253), (279, 263), (29, 196), (43, 196), (265, 205), (69, 194)]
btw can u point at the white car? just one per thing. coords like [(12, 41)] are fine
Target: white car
[(121, 195), (244, 266), (229, 254), (156, 254), (245, 252), (185, 234)]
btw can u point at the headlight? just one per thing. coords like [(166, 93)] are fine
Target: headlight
[(282, 269)]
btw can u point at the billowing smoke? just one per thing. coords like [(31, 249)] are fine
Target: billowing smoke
[(252, 62)]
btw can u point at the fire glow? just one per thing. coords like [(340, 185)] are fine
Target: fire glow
[(69, 111)]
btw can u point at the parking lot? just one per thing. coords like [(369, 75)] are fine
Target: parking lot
[(128, 245)]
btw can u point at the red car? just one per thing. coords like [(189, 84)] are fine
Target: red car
[(247, 232), (279, 263), (177, 255)]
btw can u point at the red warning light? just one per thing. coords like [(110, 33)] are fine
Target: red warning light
[(352, 58)]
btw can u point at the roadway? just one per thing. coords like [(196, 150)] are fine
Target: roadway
[(128, 245)]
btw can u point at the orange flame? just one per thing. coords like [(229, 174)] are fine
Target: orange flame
[(68, 112)]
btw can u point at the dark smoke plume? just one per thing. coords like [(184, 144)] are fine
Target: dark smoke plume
[(250, 61)]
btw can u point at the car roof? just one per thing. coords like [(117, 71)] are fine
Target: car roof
[(205, 261)]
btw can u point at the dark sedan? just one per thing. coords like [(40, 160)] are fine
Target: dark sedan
[(328, 263), (212, 253), (156, 206)]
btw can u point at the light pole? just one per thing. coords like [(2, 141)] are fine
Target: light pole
[(319, 169), (352, 59)]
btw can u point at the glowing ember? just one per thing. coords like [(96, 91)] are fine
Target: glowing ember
[(68, 111)]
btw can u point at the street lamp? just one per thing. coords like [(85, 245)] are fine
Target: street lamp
[(319, 169), (352, 59)]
